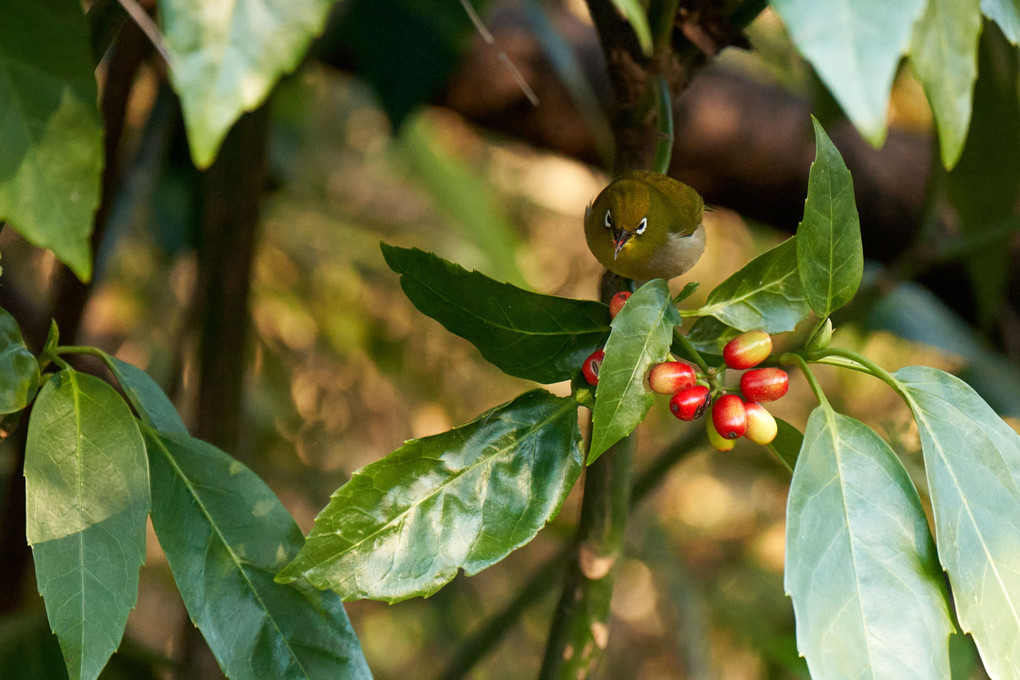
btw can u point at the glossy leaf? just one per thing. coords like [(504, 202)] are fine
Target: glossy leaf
[(855, 46), (1005, 13), (636, 15), (765, 293), (537, 337), (787, 444), (87, 491), (972, 460), (830, 256), (226, 55), (708, 335), (463, 499), (19, 370), (642, 333), (225, 535), (944, 56), (49, 123), (153, 406), (860, 563)]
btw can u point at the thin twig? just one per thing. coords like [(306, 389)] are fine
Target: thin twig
[(148, 26), (503, 56)]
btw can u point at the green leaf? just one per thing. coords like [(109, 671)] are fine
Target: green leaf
[(537, 337), (860, 564), (19, 370), (830, 256), (708, 335), (153, 406), (855, 46), (87, 489), (641, 336), (28, 650), (225, 535), (972, 460), (226, 55), (463, 499), (943, 52), (984, 186), (1006, 13), (787, 444), (634, 12), (52, 136), (765, 293)]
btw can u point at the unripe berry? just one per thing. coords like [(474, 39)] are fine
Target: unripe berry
[(719, 443), (729, 417), (764, 384), (690, 403), (616, 303), (591, 366), (747, 349), (670, 377), (761, 426)]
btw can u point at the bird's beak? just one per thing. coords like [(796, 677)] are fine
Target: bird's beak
[(621, 241)]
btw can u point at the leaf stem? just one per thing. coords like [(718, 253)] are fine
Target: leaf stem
[(791, 358), (688, 350), (865, 365)]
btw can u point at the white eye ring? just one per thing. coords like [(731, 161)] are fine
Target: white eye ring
[(608, 220), (642, 225)]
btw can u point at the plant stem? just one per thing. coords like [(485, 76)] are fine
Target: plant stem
[(865, 363), (664, 143), (689, 351), (797, 360)]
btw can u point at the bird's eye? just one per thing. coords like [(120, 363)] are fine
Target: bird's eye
[(608, 221), (642, 225)]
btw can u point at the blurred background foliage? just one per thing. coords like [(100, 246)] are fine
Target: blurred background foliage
[(340, 369)]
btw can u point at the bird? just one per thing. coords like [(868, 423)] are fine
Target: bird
[(645, 225)]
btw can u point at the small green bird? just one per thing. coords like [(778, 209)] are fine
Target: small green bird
[(645, 226)]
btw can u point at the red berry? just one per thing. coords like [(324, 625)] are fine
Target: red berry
[(718, 442), (761, 426), (729, 416), (590, 367), (764, 384), (616, 303), (690, 403), (670, 377), (747, 349)]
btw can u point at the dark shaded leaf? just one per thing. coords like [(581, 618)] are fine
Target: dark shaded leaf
[(463, 499), (972, 461), (641, 336), (87, 492), (19, 370), (153, 406), (537, 337), (830, 256), (225, 534), (787, 444), (860, 563)]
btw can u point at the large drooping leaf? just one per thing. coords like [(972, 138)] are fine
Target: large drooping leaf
[(855, 46), (860, 564), (1006, 13), (765, 293), (972, 460), (984, 186), (225, 56), (19, 371), (152, 405), (943, 52), (463, 499), (50, 132), (829, 251), (538, 337), (642, 332), (87, 489), (225, 535)]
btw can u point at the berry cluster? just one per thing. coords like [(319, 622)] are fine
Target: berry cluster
[(733, 415)]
